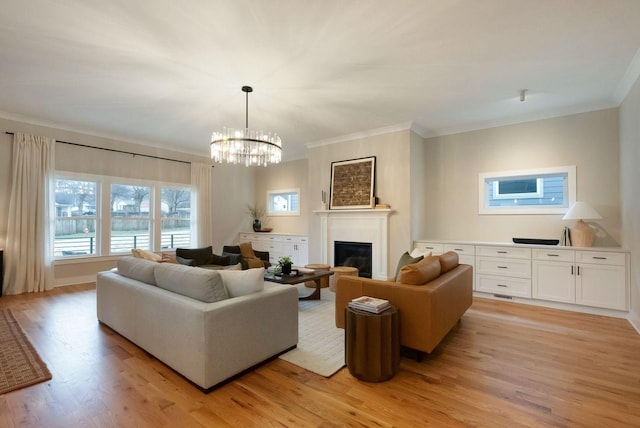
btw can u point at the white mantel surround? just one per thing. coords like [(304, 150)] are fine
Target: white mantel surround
[(367, 225)]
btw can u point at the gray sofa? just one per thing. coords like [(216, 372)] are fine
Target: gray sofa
[(207, 325)]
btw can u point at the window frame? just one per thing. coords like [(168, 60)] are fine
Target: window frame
[(539, 173), (103, 212), (272, 193)]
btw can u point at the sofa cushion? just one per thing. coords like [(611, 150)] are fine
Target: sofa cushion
[(448, 261), (137, 268), (242, 282), (147, 255), (406, 259), (420, 273), (200, 284), (194, 256)]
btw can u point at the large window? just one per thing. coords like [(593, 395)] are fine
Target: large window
[(534, 191), (105, 215)]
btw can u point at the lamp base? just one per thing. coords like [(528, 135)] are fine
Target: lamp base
[(581, 235)]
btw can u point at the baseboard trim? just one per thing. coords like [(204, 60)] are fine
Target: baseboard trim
[(63, 282), (634, 320)]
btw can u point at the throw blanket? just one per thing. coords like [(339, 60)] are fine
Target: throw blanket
[(246, 251)]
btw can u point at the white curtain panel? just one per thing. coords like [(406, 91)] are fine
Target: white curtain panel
[(202, 230), (29, 247)]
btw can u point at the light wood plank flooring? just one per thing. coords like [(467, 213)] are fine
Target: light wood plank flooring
[(504, 365)]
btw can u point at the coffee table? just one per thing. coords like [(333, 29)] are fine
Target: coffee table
[(315, 276)]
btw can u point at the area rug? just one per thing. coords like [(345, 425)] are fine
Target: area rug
[(20, 365), (320, 343)]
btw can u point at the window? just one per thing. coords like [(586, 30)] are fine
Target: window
[(535, 191), (76, 218), (130, 218), (283, 202), (97, 215), (176, 217)]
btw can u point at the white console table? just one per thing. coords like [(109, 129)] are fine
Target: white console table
[(593, 280), (279, 244)]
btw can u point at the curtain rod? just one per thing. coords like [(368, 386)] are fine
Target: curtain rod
[(116, 151)]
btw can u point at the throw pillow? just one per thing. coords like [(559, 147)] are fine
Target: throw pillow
[(200, 284), (137, 268), (147, 255), (420, 273), (246, 251), (417, 252), (243, 282), (448, 261), (406, 259), (168, 258)]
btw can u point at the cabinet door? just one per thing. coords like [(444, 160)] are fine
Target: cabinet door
[(554, 281), (301, 254), (601, 286)]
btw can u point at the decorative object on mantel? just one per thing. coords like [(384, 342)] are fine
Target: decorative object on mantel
[(324, 200), (257, 212), (383, 206), (353, 184), (581, 233), (245, 146)]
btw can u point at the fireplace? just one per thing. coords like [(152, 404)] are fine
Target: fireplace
[(355, 254)]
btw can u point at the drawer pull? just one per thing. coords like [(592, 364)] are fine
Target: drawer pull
[(502, 252), (458, 249), (571, 270), (553, 255), (501, 285), (599, 258), (502, 267)]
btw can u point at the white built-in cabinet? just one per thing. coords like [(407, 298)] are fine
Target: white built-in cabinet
[(579, 277), (294, 246)]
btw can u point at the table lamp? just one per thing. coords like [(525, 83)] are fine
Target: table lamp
[(581, 233)]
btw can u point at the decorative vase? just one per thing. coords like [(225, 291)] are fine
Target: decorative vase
[(257, 225), (286, 268)]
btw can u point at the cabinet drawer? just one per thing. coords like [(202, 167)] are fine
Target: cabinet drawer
[(460, 249), (247, 237), (504, 267), (271, 238), (601, 258), (554, 255), (466, 260), (507, 252), (506, 286), (435, 248)]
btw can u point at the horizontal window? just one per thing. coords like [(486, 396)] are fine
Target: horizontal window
[(283, 202), (534, 191)]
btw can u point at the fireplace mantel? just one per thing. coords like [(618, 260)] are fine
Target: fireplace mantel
[(364, 225)]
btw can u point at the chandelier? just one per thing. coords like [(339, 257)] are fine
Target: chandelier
[(244, 146)]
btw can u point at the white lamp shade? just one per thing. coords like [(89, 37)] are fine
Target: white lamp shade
[(581, 211)]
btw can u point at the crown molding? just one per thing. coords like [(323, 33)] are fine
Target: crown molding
[(364, 134), (628, 79)]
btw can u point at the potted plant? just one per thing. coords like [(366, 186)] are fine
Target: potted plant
[(285, 264), (257, 212)]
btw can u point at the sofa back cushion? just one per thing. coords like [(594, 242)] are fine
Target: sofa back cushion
[(448, 261), (421, 272), (137, 268), (242, 282), (200, 256), (200, 284)]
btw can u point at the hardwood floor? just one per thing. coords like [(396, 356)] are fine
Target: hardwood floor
[(504, 365)]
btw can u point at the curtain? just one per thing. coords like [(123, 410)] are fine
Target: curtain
[(29, 246), (201, 231)]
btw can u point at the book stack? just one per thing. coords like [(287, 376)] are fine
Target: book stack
[(369, 304)]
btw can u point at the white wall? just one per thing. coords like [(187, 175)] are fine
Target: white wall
[(286, 175), (392, 153), (630, 185), (453, 162)]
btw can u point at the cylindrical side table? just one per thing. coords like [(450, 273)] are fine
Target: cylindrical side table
[(338, 271), (324, 282), (372, 344)]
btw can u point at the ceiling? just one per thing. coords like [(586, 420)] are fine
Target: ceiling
[(167, 73)]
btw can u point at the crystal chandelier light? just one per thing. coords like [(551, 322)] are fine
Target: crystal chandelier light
[(245, 146)]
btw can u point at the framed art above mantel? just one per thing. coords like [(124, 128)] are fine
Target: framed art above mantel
[(353, 184)]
